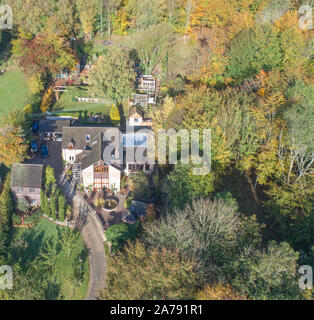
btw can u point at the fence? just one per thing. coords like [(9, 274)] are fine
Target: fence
[(90, 100)]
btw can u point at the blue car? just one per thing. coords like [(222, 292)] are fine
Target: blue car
[(34, 147), (35, 126), (44, 151)]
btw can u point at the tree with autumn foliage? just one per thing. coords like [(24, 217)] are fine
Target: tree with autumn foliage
[(149, 274), (47, 100), (87, 15), (218, 292), (6, 211), (44, 54), (13, 147), (162, 115)]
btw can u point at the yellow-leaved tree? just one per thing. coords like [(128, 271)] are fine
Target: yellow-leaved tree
[(218, 292), (13, 148)]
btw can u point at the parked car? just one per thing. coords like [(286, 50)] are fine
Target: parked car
[(34, 147), (35, 126), (44, 151), (59, 137)]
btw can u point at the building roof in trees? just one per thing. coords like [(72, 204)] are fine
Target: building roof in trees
[(138, 209), (53, 126), (146, 83), (27, 175), (127, 217), (140, 99), (136, 112)]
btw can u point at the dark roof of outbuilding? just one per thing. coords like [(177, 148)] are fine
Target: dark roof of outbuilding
[(127, 217), (55, 126), (27, 175), (138, 209)]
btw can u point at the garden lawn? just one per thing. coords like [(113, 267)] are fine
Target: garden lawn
[(68, 106), (14, 92), (67, 102), (35, 238)]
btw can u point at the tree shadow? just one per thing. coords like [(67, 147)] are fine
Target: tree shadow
[(250, 198), (35, 241), (81, 219), (52, 290), (122, 117)]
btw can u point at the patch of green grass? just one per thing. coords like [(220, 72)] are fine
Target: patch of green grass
[(68, 101), (14, 91), (35, 238), (68, 105)]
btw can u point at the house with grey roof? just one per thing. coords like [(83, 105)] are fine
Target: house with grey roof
[(84, 147), (98, 161), (26, 182), (77, 141)]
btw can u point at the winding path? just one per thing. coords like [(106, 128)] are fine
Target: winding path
[(92, 238)]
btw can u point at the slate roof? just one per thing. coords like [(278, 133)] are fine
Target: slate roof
[(93, 149), (127, 217), (77, 135), (27, 175), (55, 126), (138, 209), (95, 152)]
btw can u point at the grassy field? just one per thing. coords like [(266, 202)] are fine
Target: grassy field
[(35, 238), (14, 92)]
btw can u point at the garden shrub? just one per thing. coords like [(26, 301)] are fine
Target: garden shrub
[(34, 218)]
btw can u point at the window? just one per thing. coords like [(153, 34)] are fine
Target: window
[(136, 120), (33, 202), (102, 169), (19, 189), (31, 190), (101, 177)]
